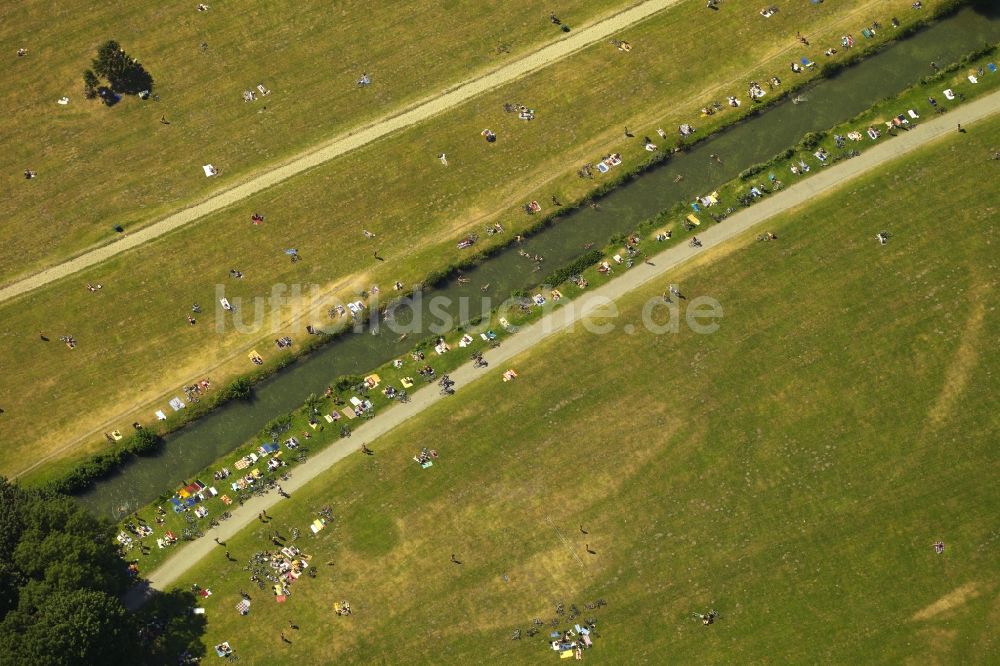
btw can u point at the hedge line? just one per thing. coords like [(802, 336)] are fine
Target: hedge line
[(142, 442), (575, 267)]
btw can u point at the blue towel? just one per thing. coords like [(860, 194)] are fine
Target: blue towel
[(992, 67), (695, 207)]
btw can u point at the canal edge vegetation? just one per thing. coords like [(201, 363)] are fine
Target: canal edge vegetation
[(314, 439), (74, 476)]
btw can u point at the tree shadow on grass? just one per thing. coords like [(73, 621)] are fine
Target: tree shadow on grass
[(171, 630)]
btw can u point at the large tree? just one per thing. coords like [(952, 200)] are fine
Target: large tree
[(124, 73), (61, 583), (69, 626)]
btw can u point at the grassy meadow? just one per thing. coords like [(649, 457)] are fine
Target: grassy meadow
[(99, 167), (672, 221), (134, 342), (792, 470)]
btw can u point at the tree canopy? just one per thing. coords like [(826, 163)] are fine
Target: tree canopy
[(61, 583), (124, 73)]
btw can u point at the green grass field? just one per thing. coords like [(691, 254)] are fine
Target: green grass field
[(791, 470), (134, 331), (671, 220), (99, 167)]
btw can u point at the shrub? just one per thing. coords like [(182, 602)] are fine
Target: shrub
[(143, 442), (238, 389), (278, 425), (575, 267), (752, 170), (347, 382), (811, 140)]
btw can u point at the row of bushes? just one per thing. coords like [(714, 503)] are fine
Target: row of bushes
[(140, 443), (575, 267)]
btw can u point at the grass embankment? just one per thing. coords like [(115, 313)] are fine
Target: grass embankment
[(791, 470), (673, 221), (99, 167), (396, 189)]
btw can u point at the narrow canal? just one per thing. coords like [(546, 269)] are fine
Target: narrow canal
[(827, 103)]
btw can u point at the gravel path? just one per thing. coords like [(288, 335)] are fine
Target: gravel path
[(346, 142), (820, 184)]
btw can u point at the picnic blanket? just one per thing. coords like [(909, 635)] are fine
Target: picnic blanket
[(160, 416), (209, 170), (177, 404), (317, 525)]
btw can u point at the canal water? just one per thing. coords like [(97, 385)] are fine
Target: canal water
[(827, 103)]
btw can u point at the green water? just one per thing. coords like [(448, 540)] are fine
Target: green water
[(828, 103)]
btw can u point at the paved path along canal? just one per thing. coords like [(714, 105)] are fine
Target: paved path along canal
[(821, 183)]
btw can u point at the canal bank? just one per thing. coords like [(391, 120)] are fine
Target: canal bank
[(684, 176)]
